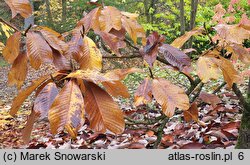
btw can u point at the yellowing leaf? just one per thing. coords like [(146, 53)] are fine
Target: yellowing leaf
[(143, 94), (1, 47), (91, 56), (134, 30), (21, 7), (110, 18), (132, 16), (18, 70), (116, 88), (11, 50), (169, 96), (180, 41), (103, 112), (229, 73), (91, 20), (38, 50), (207, 70), (67, 110)]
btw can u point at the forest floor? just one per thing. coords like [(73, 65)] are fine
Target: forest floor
[(221, 121)]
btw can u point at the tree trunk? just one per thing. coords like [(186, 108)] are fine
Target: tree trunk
[(182, 16), (64, 10), (49, 14), (194, 6), (243, 141)]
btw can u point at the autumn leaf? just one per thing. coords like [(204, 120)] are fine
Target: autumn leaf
[(91, 20), (219, 13), (18, 70), (207, 70), (191, 113), (132, 16), (23, 94), (134, 30), (40, 110), (97, 77), (103, 112), (245, 22), (176, 57), (143, 94), (150, 51), (232, 33), (120, 74), (180, 41), (61, 62), (53, 39), (112, 41), (209, 98), (21, 7), (38, 50), (11, 50), (67, 110), (91, 56), (110, 18), (239, 52), (229, 73), (116, 89), (44, 99), (169, 96)]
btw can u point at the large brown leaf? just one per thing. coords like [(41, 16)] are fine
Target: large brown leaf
[(11, 50), (169, 96), (54, 40), (103, 112), (67, 110), (232, 33), (120, 74), (112, 41), (176, 57), (22, 95), (18, 70), (89, 75), (180, 41), (21, 7), (134, 30), (61, 62), (91, 20), (44, 99), (207, 70), (110, 18), (116, 89), (40, 109), (150, 51), (38, 50), (97, 77), (91, 56), (191, 113), (143, 94), (229, 73), (239, 52)]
